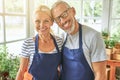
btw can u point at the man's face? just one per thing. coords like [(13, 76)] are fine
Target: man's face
[(64, 17)]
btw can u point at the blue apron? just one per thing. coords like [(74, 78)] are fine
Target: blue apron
[(44, 66), (74, 64)]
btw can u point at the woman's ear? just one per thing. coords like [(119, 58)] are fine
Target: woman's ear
[(52, 22), (73, 11)]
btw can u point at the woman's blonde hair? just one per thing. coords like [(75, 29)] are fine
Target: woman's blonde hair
[(45, 9)]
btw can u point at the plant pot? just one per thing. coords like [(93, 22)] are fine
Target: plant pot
[(117, 45), (116, 50), (108, 52), (4, 75), (116, 56)]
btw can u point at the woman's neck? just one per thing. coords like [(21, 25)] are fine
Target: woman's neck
[(45, 38)]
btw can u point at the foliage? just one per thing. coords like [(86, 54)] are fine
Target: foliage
[(105, 34), (8, 64), (116, 36), (109, 43), (98, 9), (116, 7), (93, 8)]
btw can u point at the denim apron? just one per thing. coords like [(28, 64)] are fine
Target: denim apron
[(44, 66), (74, 64)]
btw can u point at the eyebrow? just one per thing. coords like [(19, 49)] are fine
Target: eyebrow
[(62, 13)]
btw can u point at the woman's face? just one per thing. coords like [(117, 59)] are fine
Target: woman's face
[(42, 23)]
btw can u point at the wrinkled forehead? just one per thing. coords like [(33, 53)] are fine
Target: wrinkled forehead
[(58, 10)]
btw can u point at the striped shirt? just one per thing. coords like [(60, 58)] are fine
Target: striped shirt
[(28, 48)]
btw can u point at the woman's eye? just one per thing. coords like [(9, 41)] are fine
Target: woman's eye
[(37, 21), (46, 21)]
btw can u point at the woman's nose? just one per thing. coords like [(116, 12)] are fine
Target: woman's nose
[(41, 25)]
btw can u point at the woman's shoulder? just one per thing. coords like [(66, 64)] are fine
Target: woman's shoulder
[(31, 39), (28, 41)]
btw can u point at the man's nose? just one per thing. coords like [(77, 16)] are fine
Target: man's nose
[(62, 20)]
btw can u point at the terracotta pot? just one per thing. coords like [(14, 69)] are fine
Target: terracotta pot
[(116, 50), (116, 56), (4, 75), (108, 52), (117, 45)]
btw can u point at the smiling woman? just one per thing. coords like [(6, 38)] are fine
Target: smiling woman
[(41, 54)]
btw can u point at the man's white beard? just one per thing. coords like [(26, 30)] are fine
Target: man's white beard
[(71, 29)]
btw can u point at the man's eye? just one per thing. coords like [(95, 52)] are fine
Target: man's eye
[(64, 15)]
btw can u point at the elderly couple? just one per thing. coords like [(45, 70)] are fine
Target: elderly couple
[(81, 56)]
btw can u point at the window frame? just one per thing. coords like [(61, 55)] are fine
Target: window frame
[(25, 14)]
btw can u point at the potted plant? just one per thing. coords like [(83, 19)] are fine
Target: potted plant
[(116, 48), (8, 65), (109, 44), (105, 35)]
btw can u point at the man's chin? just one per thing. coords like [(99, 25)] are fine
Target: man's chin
[(70, 31)]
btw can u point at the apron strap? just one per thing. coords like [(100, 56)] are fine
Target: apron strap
[(80, 36), (36, 43)]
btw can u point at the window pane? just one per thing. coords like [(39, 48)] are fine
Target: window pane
[(14, 6), (12, 49), (115, 28), (38, 2), (94, 23), (15, 27), (92, 8), (49, 3), (1, 30), (1, 5), (116, 9)]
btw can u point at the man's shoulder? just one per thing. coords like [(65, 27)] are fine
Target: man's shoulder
[(88, 31)]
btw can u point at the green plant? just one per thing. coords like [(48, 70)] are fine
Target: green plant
[(105, 34), (109, 43), (9, 65), (116, 37)]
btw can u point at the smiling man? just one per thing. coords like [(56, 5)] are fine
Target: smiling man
[(84, 56)]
